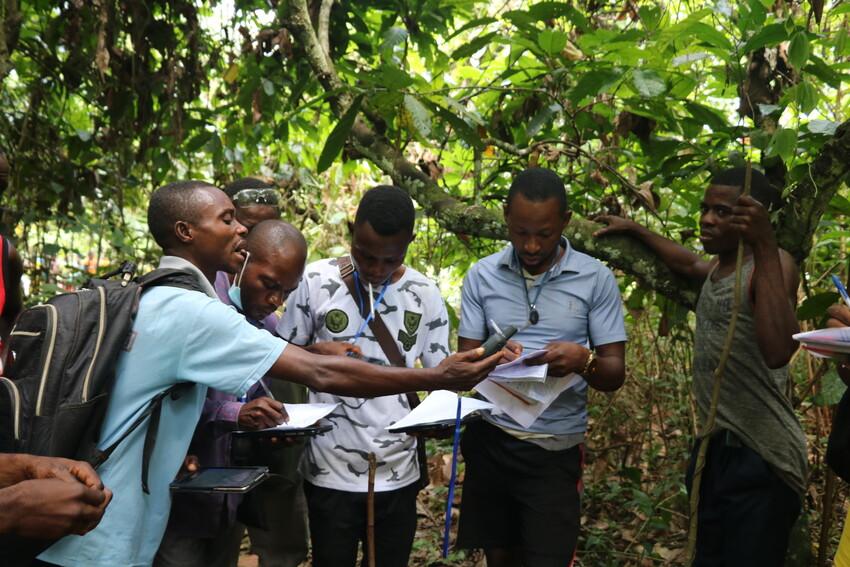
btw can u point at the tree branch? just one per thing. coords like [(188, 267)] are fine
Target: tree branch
[(809, 199), (324, 28)]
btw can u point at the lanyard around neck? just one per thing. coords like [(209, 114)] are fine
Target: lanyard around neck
[(533, 314), (361, 305)]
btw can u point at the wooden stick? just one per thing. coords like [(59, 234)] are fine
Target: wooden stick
[(708, 429), (370, 511)]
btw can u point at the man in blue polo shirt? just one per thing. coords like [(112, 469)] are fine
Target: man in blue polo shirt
[(521, 493), (189, 336)]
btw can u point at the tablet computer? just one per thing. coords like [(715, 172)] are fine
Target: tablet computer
[(236, 480), (310, 431), (436, 427)]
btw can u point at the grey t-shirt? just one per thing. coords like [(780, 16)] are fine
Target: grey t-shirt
[(752, 403)]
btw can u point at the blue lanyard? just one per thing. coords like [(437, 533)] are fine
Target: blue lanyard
[(452, 481), (368, 319)]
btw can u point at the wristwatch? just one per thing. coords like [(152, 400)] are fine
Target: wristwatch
[(591, 358)]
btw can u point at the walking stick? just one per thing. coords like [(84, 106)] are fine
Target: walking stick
[(370, 511)]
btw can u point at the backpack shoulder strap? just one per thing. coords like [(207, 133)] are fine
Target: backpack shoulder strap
[(153, 411), (171, 278)]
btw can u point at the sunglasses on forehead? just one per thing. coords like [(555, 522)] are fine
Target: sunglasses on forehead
[(264, 196)]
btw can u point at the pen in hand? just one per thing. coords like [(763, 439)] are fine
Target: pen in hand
[(841, 289)]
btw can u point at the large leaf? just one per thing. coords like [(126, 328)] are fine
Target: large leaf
[(799, 49), (469, 49), (336, 139), (783, 144), (420, 118), (648, 83), (594, 82), (460, 126), (771, 34), (814, 307), (552, 41), (707, 116)]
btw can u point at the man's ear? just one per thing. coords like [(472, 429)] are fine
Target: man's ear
[(568, 214), (505, 209), (350, 226), (183, 232)]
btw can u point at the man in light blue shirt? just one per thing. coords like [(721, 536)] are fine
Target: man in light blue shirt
[(521, 494), (189, 336)]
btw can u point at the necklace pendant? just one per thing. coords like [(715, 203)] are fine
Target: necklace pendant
[(534, 316)]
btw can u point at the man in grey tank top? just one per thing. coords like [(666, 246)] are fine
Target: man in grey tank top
[(755, 474)]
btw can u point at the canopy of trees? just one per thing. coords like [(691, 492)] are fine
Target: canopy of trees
[(634, 103)]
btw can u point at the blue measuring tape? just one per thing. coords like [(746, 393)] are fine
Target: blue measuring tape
[(452, 481)]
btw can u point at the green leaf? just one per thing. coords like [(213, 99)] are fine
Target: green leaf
[(825, 127), (336, 139), (711, 35), (464, 130), (707, 116), (647, 83), (476, 23), (268, 86), (552, 41), (468, 49), (594, 82), (419, 115), (806, 97), (832, 388), (783, 144), (799, 50), (393, 78), (771, 34), (814, 306), (393, 37), (543, 117)]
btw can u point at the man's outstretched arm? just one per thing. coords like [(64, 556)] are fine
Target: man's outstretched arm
[(678, 258), (346, 376)]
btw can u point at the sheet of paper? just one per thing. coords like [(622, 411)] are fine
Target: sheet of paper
[(517, 405), (440, 405), (838, 336), (519, 370), (826, 343), (305, 415)]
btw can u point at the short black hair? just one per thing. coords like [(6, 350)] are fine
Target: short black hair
[(238, 185), (761, 189), (388, 209), (274, 235), (171, 203), (538, 184)]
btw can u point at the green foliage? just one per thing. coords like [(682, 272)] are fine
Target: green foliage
[(633, 104)]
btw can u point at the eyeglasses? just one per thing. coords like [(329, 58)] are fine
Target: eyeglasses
[(264, 196)]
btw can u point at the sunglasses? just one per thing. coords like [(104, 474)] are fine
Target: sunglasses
[(265, 196)]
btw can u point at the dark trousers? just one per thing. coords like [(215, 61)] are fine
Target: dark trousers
[(746, 511), (338, 524), (519, 496)]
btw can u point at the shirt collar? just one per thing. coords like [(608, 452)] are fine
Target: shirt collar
[(178, 263), (565, 264)]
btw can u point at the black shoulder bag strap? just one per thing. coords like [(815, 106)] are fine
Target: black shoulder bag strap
[(391, 351)]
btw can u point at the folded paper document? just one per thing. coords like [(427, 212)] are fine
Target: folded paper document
[(826, 343), (438, 408), (304, 415), (518, 370), (524, 402)]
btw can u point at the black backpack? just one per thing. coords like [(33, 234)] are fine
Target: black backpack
[(61, 369)]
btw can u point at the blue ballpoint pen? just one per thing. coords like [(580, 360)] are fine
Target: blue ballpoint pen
[(841, 289)]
